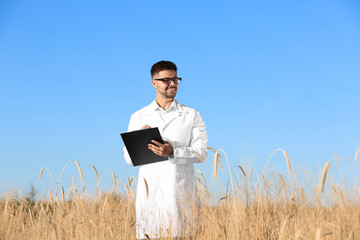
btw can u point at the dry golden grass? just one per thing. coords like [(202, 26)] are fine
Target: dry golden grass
[(274, 207)]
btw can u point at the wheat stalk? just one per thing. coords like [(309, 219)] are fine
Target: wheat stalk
[(111, 232), (242, 170), (282, 181), (146, 188), (73, 181), (297, 235), (41, 171), (323, 177), (334, 189), (93, 223), (62, 171), (128, 193), (130, 180), (55, 231), (287, 160), (341, 197), (23, 227), (62, 194), (202, 176), (79, 169), (128, 187), (96, 173), (302, 194), (259, 194), (70, 191), (283, 228), (114, 179), (215, 167), (356, 154), (253, 190), (217, 158), (351, 235), (318, 234), (216, 162), (6, 206), (42, 208), (212, 149)]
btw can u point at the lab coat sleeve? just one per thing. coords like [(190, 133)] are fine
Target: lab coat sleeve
[(133, 125), (196, 151)]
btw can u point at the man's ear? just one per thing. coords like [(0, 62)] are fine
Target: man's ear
[(153, 82)]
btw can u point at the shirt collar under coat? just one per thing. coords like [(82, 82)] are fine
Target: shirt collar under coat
[(175, 106)]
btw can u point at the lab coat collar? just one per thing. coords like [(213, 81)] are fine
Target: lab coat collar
[(175, 110)]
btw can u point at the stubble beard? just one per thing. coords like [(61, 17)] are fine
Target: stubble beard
[(168, 94)]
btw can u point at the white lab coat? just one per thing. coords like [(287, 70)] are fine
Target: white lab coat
[(170, 201)]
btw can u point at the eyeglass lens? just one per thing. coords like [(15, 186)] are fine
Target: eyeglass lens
[(168, 80)]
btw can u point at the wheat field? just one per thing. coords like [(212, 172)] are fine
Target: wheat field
[(269, 206)]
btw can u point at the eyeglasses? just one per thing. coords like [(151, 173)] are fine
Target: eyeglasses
[(167, 81)]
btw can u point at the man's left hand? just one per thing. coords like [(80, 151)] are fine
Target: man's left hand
[(165, 150)]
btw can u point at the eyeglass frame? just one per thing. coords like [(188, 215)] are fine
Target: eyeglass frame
[(169, 80)]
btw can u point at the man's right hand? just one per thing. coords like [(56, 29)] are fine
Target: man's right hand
[(145, 127)]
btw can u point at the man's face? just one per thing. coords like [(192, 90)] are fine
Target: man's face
[(167, 91)]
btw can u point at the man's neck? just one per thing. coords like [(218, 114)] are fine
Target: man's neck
[(164, 103)]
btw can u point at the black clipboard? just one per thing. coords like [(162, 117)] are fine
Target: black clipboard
[(136, 143)]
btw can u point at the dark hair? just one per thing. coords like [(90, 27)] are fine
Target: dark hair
[(162, 65)]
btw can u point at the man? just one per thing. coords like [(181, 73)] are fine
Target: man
[(166, 201)]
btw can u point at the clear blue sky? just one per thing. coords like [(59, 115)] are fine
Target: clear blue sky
[(263, 74)]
